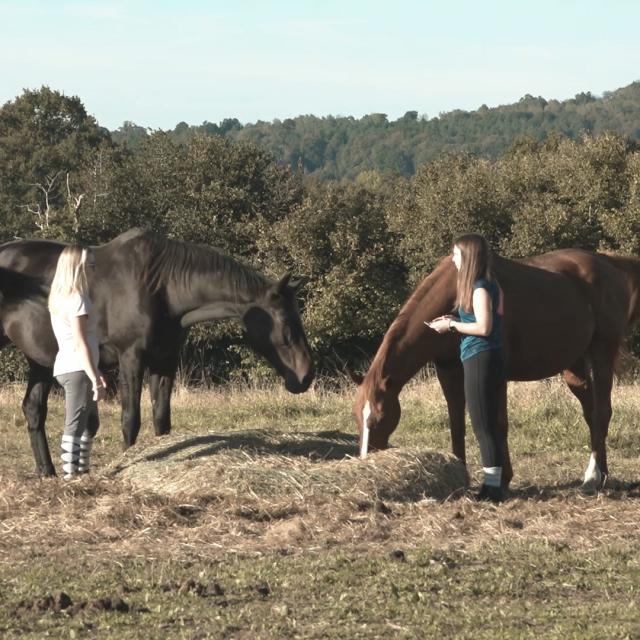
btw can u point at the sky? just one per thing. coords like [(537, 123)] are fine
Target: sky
[(161, 62)]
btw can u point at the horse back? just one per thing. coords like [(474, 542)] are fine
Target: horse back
[(36, 258), (601, 281)]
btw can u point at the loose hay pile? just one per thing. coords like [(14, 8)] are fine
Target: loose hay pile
[(270, 471)]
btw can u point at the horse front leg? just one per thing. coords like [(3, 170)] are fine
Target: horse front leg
[(161, 380), (451, 377), (34, 407), (131, 370)]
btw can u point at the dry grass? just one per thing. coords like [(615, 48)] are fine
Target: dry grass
[(259, 473), (255, 488)]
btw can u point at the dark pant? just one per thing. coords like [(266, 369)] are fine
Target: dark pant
[(483, 382)]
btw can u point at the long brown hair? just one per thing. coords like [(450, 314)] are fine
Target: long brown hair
[(477, 262)]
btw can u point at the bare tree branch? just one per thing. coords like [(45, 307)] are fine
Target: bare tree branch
[(74, 203)]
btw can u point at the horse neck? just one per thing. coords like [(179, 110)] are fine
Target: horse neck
[(237, 291), (409, 344), (194, 276)]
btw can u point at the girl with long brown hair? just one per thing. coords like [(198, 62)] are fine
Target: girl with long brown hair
[(479, 304)]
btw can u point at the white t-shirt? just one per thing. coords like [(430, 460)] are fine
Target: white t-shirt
[(68, 358)]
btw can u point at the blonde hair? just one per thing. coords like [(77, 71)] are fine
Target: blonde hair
[(70, 276), (476, 262)]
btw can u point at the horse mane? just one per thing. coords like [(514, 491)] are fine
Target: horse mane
[(176, 261), (398, 327)]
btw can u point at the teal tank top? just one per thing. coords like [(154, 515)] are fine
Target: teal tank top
[(471, 345)]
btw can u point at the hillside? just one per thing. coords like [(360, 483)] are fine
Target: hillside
[(343, 147)]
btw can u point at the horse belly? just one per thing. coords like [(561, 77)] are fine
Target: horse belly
[(29, 329), (548, 345)]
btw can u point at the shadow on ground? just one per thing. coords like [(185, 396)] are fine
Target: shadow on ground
[(316, 446)]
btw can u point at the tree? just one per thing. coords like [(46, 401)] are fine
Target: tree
[(339, 240), (44, 138), (445, 198), (562, 193), (130, 134)]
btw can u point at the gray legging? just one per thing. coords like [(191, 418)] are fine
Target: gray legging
[(80, 407), (80, 422)]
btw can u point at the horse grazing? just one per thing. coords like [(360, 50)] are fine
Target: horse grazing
[(566, 312), (147, 291)]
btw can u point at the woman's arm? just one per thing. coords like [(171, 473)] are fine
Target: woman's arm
[(481, 309), (79, 331)]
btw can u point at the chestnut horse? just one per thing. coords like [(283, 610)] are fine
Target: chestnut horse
[(566, 312)]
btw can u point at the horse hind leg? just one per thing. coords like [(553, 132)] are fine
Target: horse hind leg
[(578, 380), (34, 407), (603, 361), (582, 384), (503, 437)]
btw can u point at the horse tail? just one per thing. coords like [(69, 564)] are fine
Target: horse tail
[(630, 267), (625, 363)]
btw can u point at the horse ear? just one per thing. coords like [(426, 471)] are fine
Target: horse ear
[(283, 283), (356, 377), (297, 283)]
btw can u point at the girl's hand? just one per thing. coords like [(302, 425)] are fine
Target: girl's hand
[(100, 389), (441, 324)]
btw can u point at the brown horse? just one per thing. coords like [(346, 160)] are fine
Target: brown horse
[(566, 312)]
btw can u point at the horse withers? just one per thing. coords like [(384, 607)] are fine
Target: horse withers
[(566, 312), (147, 291)]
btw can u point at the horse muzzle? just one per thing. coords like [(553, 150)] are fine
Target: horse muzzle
[(296, 384)]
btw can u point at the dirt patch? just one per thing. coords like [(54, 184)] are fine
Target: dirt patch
[(61, 602)]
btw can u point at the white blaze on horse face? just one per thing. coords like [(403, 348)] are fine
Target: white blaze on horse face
[(457, 257), (593, 475), (364, 443)]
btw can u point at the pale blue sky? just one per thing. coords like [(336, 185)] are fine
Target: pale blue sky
[(159, 62)]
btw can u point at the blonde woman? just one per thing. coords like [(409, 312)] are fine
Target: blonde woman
[(480, 307), (76, 364)]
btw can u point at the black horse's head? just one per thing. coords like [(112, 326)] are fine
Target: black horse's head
[(274, 330)]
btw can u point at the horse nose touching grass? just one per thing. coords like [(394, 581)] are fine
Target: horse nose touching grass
[(296, 383)]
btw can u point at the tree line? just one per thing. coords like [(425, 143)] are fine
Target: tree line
[(343, 147), (361, 244)]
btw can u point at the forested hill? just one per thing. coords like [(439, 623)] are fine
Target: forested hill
[(343, 147)]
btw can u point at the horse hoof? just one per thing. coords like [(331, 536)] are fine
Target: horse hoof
[(490, 494), (591, 487)]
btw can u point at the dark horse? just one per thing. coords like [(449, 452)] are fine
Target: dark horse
[(566, 312), (147, 291)]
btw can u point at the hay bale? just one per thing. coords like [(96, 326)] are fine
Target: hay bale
[(277, 472)]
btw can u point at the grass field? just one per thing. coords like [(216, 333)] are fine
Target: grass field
[(110, 557)]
